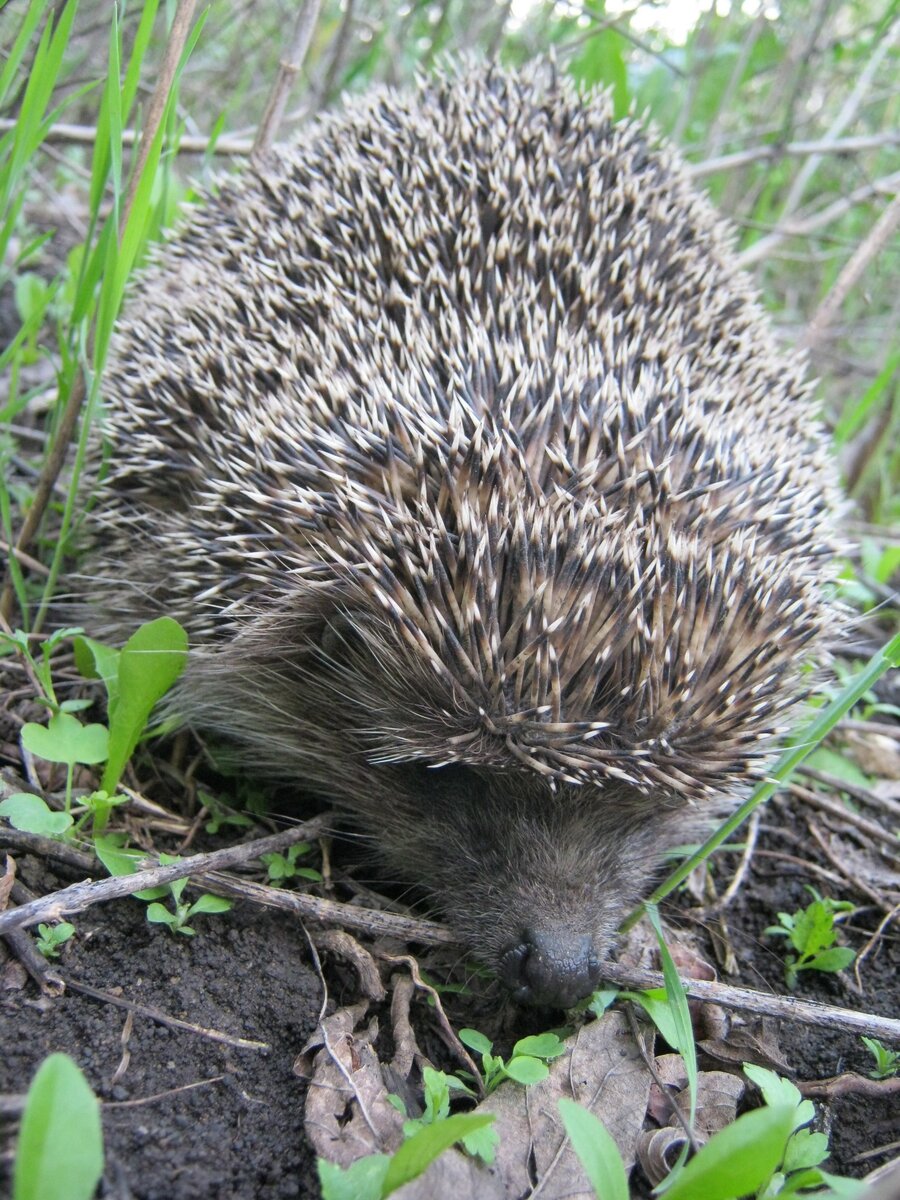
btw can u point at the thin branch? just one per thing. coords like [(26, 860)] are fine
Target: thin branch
[(288, 69), (163, 1018), (846, 114), (338, 52), (82, 895), (783, 1008), (853, 271), (818, 220), (821, 147), (181, 27), (714, 135), (86, 135)]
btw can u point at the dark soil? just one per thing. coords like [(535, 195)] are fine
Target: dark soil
[(184, 1116)]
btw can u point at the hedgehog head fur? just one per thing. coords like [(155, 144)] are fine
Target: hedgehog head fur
[(465, 454)]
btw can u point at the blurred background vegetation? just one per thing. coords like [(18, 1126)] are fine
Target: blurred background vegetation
[(787, 111)]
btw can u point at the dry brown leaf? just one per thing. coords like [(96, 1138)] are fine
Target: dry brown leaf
[(347, 1111)]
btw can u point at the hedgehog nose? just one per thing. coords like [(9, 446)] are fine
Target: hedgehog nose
[(550, 968)]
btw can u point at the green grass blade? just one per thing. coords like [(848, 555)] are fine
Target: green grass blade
[(32, 19)]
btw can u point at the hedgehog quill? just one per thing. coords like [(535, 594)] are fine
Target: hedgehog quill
[(494, 512)]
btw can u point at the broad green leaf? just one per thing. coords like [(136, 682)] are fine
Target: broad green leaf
[(475, 1041), (362, 1180), (150, 662), (483, 1143), (159, 914), (65, 740), (835, 959), (524, 1069), (542, 1045), (738, 1159), (655, 1003), (96, 661), (211, 904), (418, 1152), (805, 1149), (60, 1151), (775, 1089), (597, 1151), (31, 814)]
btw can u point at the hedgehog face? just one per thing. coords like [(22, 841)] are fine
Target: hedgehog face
[(535, 880)]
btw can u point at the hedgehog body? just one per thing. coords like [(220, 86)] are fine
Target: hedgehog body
[(468, 460)]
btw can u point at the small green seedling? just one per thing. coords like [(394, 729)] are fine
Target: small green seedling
[(65, 740), (437, 1086), (887, 1062), (526, 1063), (177, 920), (812, 934), (136, 678), (60, 1150), (283, 867), (221, 816), (120, 860), (41, 670), (53, 937)]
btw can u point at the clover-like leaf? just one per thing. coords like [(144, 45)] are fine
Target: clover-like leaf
[(65, 740), (31, 814)]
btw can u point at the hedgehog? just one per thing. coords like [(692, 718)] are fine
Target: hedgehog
[(463, 450)]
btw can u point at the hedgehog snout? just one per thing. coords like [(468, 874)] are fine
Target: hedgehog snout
[(550, 968)]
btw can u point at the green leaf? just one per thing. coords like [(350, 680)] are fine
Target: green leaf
[(96, 661), (775, 1089), (813, 929), (150, 662), (65, 740), (655, 1003), (805, 1149), (158, 914), (542, 1045), (831, 960), (524, 1069), (738, 1159), (601, 1000), (475, 1041), (482, 1144), (362, 1180), (60, 1151), (596, 1150), (30, 813), (419, 1152), (118, 860), (211, 904)]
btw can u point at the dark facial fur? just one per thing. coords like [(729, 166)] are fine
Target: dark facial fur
[(468, 460)]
